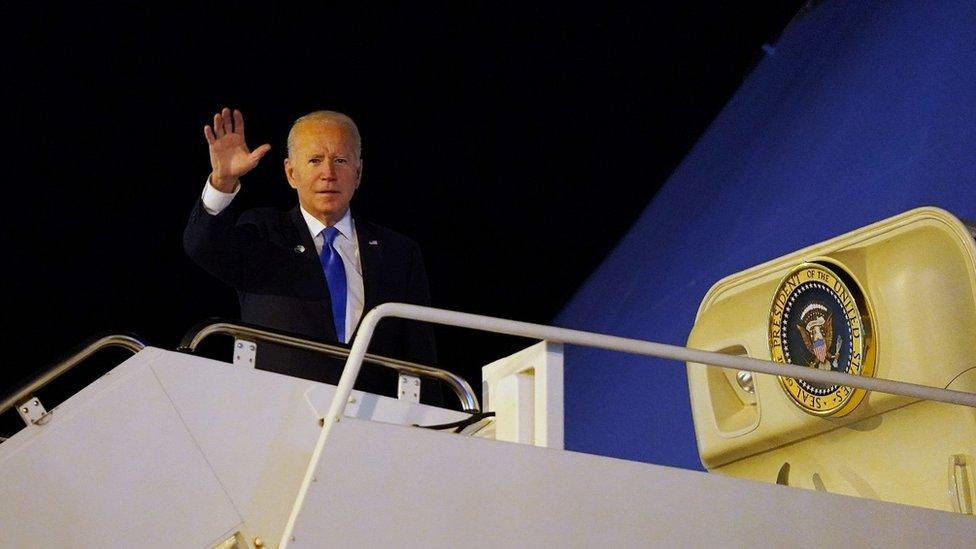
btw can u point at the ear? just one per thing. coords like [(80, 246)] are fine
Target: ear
[(290, 174), (359, 173)]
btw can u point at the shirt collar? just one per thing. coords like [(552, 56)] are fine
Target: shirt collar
[(315, 226)]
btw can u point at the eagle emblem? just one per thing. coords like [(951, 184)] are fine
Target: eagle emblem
[(819, 319), (817, 329)]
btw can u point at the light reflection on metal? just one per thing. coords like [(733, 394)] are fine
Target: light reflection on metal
[(744, 379), (126, 341), (464, 392)]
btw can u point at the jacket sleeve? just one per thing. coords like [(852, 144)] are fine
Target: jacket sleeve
[(221, 244)]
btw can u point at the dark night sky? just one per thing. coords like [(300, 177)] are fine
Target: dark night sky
[(517, 146)]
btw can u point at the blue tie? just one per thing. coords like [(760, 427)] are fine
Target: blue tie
[(335, 277)]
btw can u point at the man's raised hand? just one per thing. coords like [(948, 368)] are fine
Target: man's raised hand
[(229, 156)]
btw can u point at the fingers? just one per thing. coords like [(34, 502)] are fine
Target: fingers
[(238, 122), (225, 122), (209, 134), (218, 125), (259, 152), (228, 118)]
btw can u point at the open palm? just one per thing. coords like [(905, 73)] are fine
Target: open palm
[(230, 157)]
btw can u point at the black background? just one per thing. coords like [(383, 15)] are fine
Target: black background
[(516, 144)]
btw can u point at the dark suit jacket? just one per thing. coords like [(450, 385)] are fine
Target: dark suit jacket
[(269, 257)]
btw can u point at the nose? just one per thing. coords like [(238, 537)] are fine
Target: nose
[(327, 171)]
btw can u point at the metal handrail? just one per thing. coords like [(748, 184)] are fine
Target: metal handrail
[(131, 342), (588, 339), (461, 388)]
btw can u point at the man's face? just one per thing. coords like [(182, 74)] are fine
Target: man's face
[(325, 168)]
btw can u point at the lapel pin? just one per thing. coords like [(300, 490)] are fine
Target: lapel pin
[(299, 249), (374, 243)]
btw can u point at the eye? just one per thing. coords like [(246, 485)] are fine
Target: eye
[(314, 160), (341, 160)]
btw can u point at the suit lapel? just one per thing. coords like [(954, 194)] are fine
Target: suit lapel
[(304, 238), (305, 248), (371, 258)]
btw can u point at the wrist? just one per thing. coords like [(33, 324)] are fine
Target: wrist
[(224, 184)]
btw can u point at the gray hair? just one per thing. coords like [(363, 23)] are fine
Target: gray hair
[(333, 117)]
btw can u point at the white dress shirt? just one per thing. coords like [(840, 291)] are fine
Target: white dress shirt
[(346, 244)]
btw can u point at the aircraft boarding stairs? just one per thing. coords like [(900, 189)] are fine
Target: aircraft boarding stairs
[(172, 449)]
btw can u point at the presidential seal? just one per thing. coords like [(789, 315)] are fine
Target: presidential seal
[(819, 319)]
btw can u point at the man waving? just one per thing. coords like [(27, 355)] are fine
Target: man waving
[(315, 269)]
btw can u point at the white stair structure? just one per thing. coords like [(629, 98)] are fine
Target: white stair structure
[(169, 449)]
